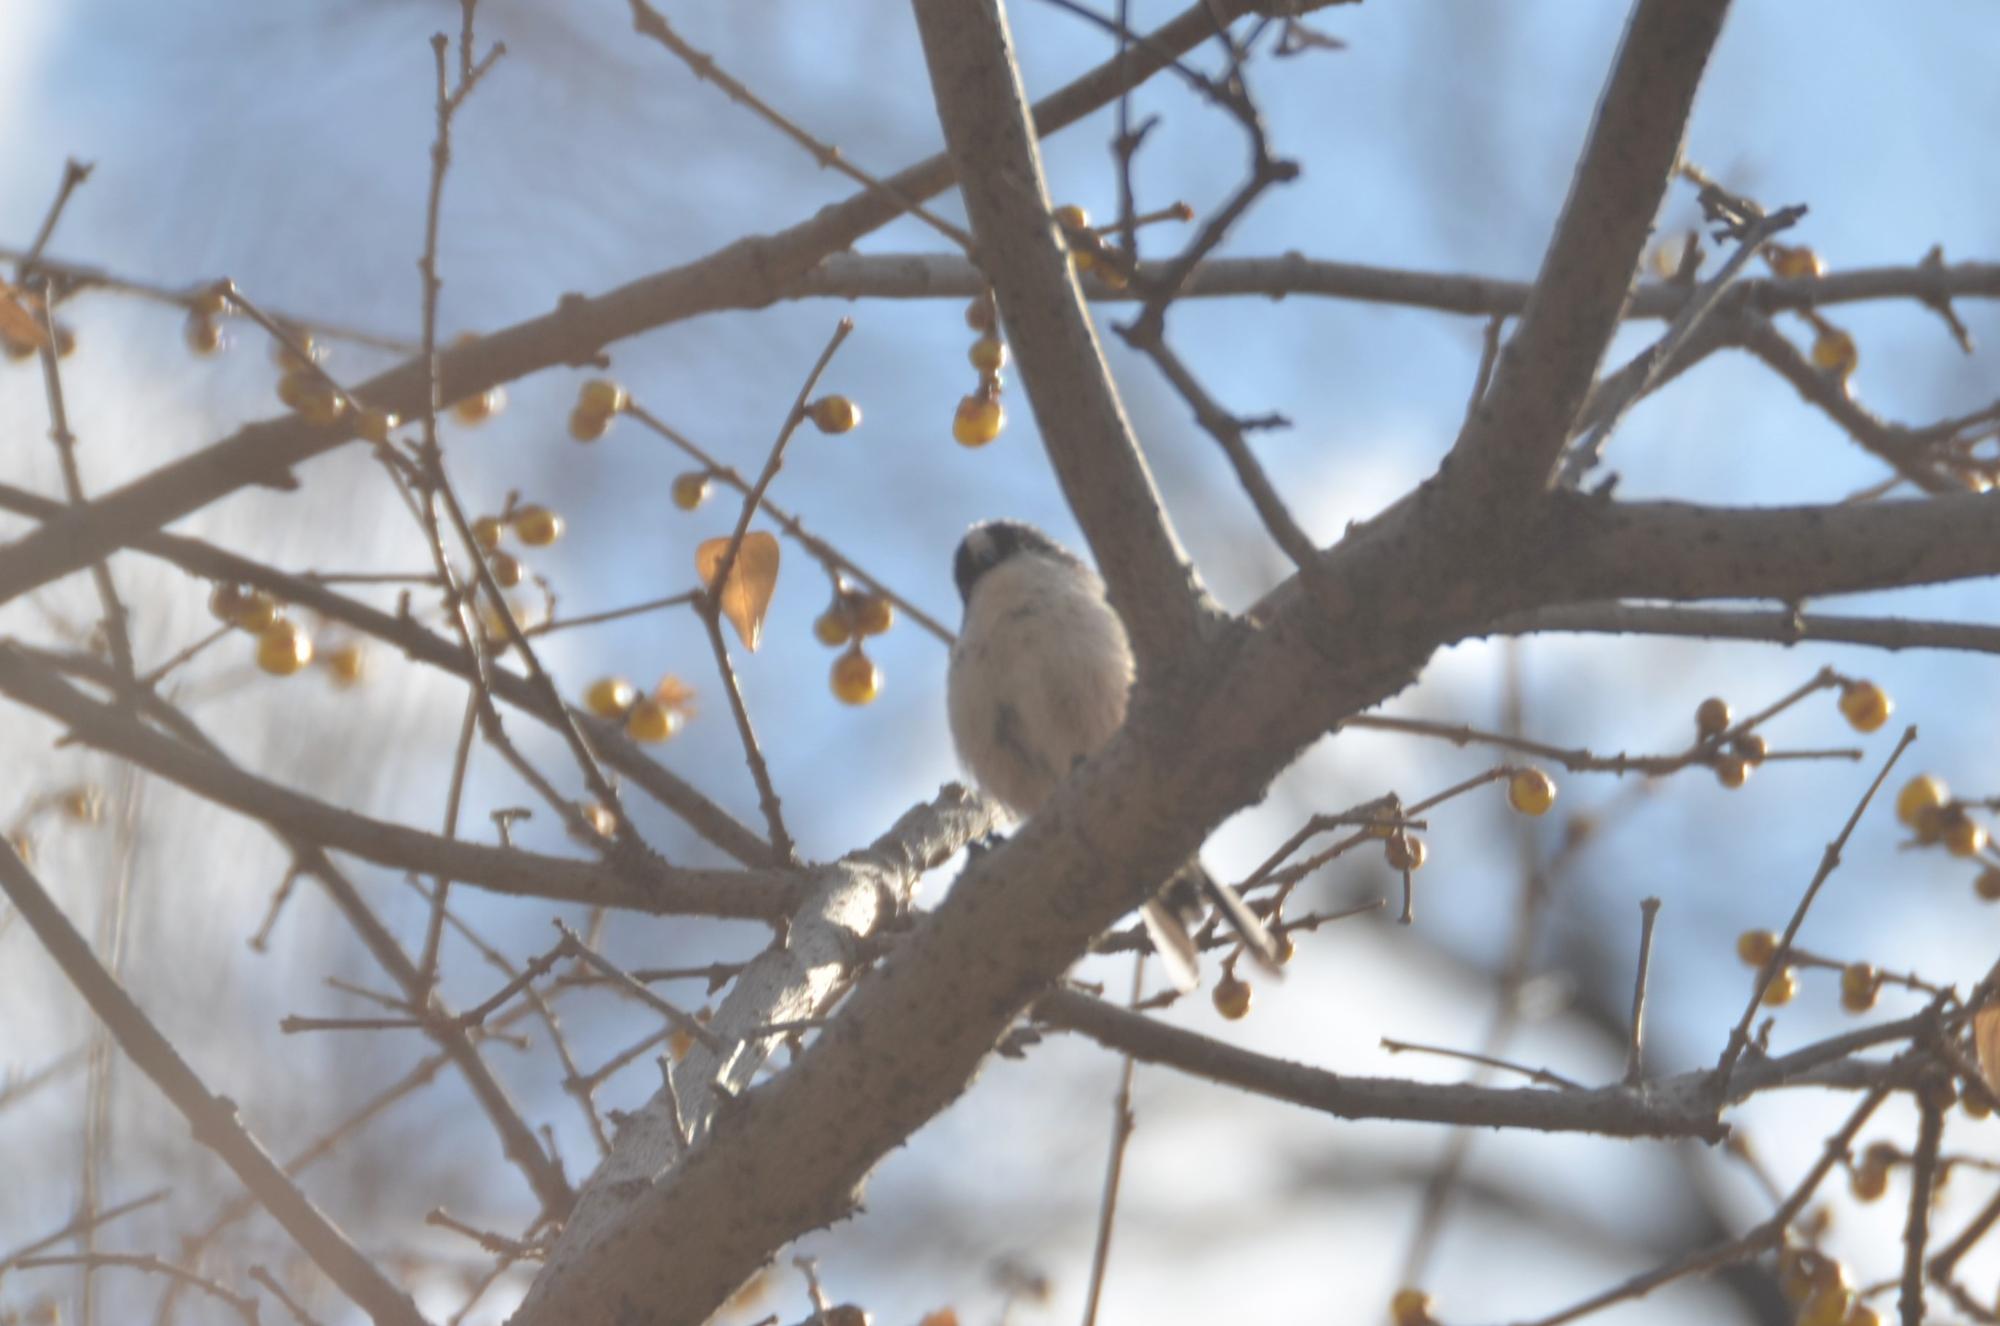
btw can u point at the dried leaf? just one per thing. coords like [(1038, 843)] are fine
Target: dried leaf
[(1986, 1039), (19, 327), (752, 578)]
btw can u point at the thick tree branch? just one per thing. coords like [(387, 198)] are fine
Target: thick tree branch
[(1510, 443), (987, 127)]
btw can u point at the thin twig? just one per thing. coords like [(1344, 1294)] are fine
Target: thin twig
[(1649, 912), (1122, 1123)]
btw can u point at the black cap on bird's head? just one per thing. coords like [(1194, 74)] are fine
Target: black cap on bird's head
[(989, 543)]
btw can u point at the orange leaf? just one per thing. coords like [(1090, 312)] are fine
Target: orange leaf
[(19, 327), (752, 577), (1986, 1039)]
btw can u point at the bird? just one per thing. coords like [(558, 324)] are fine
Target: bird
[(1039, 679)]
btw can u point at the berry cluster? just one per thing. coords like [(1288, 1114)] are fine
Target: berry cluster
[(980, 416), (646, 718), (849, 619), (283, 646)]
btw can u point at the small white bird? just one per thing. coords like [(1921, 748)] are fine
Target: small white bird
[(1039, 681)]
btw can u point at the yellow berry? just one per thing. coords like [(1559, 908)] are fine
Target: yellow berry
[(1975, 1106), (978, 421), (538, 526), (856, 679), (1072, 217), (832, 627), (293, 386), (1834, 351), (1283, 947), (1987, 886), (939, 1317), (1531, 792), (988, 354), (212, 300), (601, 396), (309, 352), (203, 334), (610, 697), (1865, 705), (690, 490), (317, 400), (1405, 851), (650, 721), (1732, 771), (1794, 261), (873, 614), (283, 649), (480, 406), (597, 818), (980, 314), (834, 414), (82, 805), (1756, 947), (507, 569), (587, 425), (375, 425), (1863, 1315), (1410, 1307), (1232, 996), (248, 609), (1711, 717), (1859, 987), (1784, 987), (348, 664), (1827, 1305), (1963, 836), (1752, 748)]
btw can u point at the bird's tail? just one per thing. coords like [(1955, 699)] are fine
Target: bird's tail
[(1172, 918)]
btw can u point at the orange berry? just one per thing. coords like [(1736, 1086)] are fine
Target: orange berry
[(82, 805), (1987, 886), (203, 334), (309, 352), (832, 627), (988, 354), (1531, 792), (1232, 997), (980, 314), (940, 1317), (375, 425), (1755, 947), (587, 426), (480, 406), (1962, 835), (1732, 771), (1283, 947), (487, 532), (1784, 987), (1752, 748), (1711, 717), (873, 614), (537, 526), (1834, 351), (1859, 987), (978, 421), (601, 396), (834, 414), (347, 663), (1794, 261), (507, 569), (650, 721), (610, 697), (1827, 1305), (1072, 217), (690, 490), (1405, 851), (1410, 1307), (248, 609), (1865, 705), (856, 679), (283, 649), (212, 300)]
